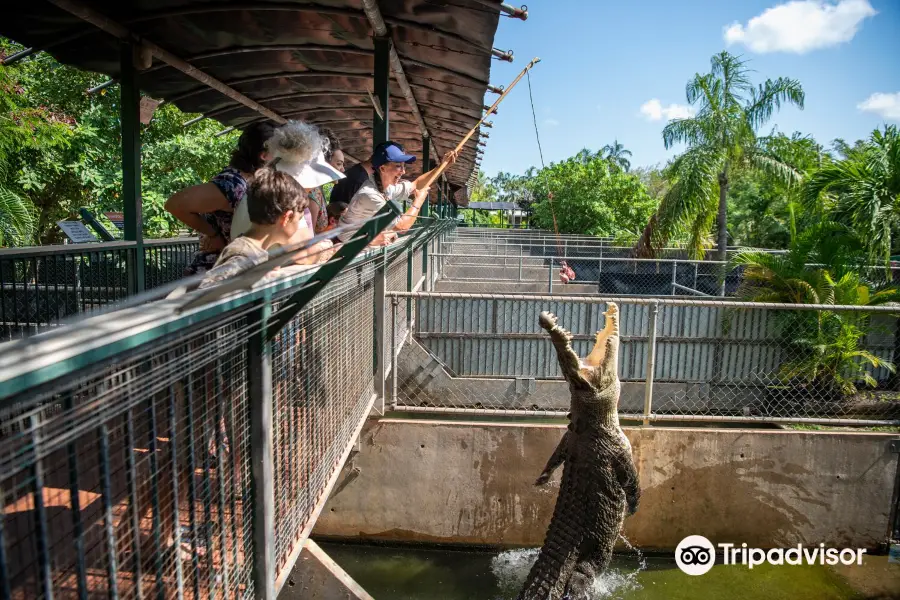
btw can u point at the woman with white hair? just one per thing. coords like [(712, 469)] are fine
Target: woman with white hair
[(298, 149)]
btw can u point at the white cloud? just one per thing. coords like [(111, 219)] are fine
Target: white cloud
[(653, 110), (885, 105), (551, 122), (801, 26)]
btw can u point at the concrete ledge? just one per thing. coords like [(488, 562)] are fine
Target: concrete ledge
[(465, 483), (317, 577)]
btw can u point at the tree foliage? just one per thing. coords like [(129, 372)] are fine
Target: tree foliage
[(590, 196), (862, 190), (61, 150)]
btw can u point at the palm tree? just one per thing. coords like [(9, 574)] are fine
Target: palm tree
[(617, 156), (720, 138), (864, 190), (16, 214)]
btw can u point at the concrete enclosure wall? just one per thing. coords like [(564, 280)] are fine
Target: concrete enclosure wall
[(465, 483)]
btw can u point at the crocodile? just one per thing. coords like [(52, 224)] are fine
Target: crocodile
[(599, 482)]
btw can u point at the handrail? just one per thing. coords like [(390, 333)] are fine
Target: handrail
[(61, 351), (86, 248)]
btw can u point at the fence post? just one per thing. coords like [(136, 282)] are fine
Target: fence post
[(520, 263), (550, 278), (674, 276), (380, 346), (724, 275), (651, 362), (259, 389), (394, 302), (409, 284)]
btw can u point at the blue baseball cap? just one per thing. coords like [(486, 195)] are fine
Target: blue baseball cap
[(390, 152)]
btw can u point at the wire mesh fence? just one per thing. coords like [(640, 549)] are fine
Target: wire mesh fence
[(483, 273), (709, 360), (138, 475), (547, 243), (39, 287), (131, 479)]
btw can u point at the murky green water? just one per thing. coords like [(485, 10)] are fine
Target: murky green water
[(413, 573)]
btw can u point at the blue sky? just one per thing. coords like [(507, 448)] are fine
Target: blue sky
[(602, 61)]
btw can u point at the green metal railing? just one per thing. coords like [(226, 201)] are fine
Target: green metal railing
[(41, 286), (184, 449)]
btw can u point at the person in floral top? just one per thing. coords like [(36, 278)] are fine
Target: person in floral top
[(209, 208)]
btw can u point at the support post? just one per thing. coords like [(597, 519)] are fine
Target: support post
[(550, 278), (381, 129), (129, 119), (675, 276), (394, 301), (651, 362), (520, 263), (380, 331), (426, 206), (259, 388), (410, 256)]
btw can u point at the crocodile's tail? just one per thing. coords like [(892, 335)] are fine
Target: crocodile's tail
[(546, 579)]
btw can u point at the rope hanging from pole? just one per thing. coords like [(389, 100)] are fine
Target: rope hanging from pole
[(566, 273)]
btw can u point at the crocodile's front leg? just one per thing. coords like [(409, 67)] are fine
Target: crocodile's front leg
[(627, 475), (556, 460)]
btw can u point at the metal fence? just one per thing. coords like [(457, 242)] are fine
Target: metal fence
[(546, 244), (41, 286), (165, 451), (610, 275), (709, 360)]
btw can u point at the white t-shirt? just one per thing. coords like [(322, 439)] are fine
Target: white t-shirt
[(368, 200)]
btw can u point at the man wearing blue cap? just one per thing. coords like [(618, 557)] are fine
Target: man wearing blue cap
[(388, 165)]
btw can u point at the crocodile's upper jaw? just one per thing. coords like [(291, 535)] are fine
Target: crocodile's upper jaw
[(600, 367)]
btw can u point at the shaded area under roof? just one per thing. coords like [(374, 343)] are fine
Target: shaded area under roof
[(302, 60)]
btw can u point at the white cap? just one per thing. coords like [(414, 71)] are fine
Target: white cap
[(310, 174)]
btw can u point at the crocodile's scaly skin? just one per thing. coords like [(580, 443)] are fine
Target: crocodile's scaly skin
[(599, 482)]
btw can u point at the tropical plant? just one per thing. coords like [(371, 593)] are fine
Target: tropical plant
[(828, 357), (824, 265), (617, 156), (863, 190), (720, 138)]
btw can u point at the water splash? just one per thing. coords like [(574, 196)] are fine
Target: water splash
[(511, 568)]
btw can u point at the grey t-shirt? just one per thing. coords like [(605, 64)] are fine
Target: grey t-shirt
[(368, 200), (242, 254), (239, 255)]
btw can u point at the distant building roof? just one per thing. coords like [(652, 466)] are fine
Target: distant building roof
[(493, 205)]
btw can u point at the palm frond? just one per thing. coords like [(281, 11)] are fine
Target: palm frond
[(769, 97), (16, 218)]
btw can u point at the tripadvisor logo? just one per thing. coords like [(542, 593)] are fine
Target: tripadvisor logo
[(696, 555)]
